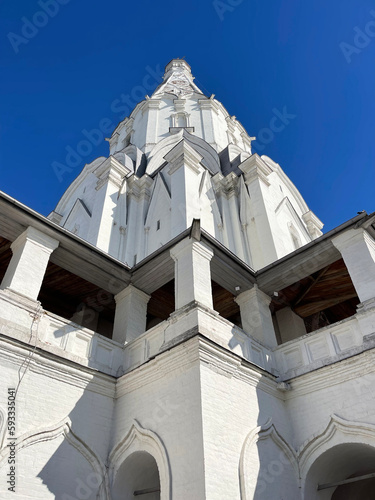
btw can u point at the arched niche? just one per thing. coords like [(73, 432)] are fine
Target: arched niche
[(140, 448), (342, 462), (56, 463), (138, 476), (343, 450), (268, 466)]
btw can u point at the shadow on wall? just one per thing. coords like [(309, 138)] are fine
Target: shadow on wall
[(268, 464), (65, 460), (71, 459)]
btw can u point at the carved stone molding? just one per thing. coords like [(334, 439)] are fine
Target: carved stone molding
[(140, 439)]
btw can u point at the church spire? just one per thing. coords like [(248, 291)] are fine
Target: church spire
[(177, 80)]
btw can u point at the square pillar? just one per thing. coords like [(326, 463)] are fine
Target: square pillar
[(256, 316), (291, 325), (192, 273), (130, 314), (31, 252), (358, 251)]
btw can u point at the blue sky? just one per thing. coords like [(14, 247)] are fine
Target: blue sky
[(314, 61)]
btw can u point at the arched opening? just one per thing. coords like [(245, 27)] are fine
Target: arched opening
[(137, 477), (343, 472)]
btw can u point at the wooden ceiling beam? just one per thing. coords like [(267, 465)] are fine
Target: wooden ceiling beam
[(315, 281), (310, 308)]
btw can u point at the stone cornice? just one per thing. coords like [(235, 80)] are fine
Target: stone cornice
[(227, 186), (244, 297), (313, 224), (55, 367), (230, 365), (230, 184), (140, 188), (189, 245), (41, 240), (177, 359), (150, 104), (113, 139), (132, 290), (255, 168), (334, 374), (179, 104), (209, 355), (183, 155), (111, 170)]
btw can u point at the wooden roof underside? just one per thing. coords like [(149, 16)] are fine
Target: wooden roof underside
[(324, 289)]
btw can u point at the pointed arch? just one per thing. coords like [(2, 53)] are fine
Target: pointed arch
[(64, 429), (338, 431), (139, 439), (267, 430)]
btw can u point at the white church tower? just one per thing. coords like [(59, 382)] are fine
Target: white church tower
[(180, 329), (180, 156)]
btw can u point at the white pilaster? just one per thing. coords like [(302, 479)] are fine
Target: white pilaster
[(185, 170), (130, 314), (358, 251), (31, 252), (192, 273), (256, 315), (207, 109), (256, 172), (110, 175), (152, 107)]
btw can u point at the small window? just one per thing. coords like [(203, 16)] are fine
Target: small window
[(158, 225)]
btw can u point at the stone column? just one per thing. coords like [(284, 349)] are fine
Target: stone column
[(31, 252), (192, 273), (130, 314), (256, 316), (358, 251)]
